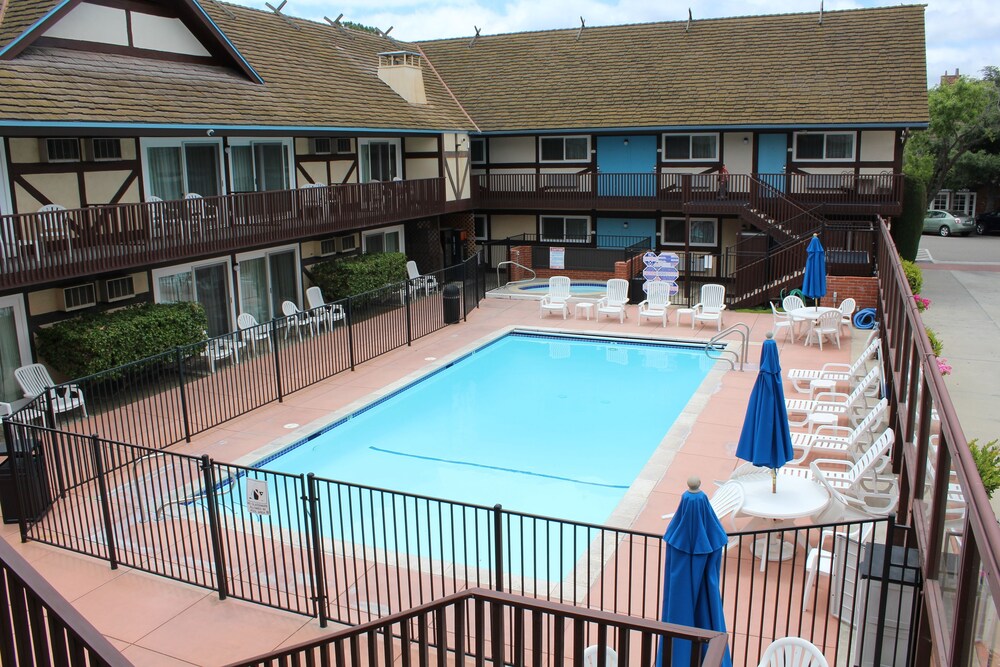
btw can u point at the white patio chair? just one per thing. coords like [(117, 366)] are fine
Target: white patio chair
[(557, 300), (614, 301), (726, 503), (592, 653), (55, 226), (841, 439), (838, 560), (834, 404), (218, 350), (296, 318), (34, 379), (251, 331), (827, 325), (325, 313), (782, 321), (854, 486), (832, 373), (792, 652), (426, 284), (711, 305), (656, 303), (847, 307), (790, 303)]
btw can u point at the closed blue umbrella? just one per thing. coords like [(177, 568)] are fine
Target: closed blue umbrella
[(695, 543), (766, 439), (814, 279)]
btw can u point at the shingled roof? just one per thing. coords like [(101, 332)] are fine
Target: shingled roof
[(858, 66), (316, 76), (16, 17)]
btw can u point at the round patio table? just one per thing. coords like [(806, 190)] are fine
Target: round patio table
[(797, 497)]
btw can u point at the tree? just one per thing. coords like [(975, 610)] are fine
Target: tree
[(964, 116), (907, 227)]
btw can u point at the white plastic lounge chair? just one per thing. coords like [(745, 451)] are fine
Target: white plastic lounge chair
[(251, 331), (792, 652), (709, 309), (325, 313), (656, 303), (839, 561), (556, 301), (613, 303), (802, 378), (782, 321), (426, 284), (827, 325), (854, 405), (853, 486), (847, 307), (34, 379), (296, 318), (841, 439)]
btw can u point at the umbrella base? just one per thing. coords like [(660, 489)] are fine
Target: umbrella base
[(772, 549)]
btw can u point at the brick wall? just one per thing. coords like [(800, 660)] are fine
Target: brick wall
[(864, 290), (522, 255)]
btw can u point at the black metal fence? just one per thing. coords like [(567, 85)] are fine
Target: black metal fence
[(161, 400), (353, 553)]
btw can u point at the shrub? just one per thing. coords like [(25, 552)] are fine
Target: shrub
[(987, 458), (94, 343), (936, 344), (907, 227), (914, 276), (341, 278)]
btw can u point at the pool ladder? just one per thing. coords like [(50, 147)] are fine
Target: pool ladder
[(732, 357), (520, 266)]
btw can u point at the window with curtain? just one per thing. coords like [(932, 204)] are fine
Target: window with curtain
[(202, 165), (254, 289), (10, 356), (284, 286), (175, 171), (242, 168), (176, 287), (166, 175), (271, 160)]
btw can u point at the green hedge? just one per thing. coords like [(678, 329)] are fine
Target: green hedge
[(914, 276), (94, 343), (341, 278)]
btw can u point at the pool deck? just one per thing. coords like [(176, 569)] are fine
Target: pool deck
[(155, 621)]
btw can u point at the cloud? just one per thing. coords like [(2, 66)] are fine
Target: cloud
[(958, 35)]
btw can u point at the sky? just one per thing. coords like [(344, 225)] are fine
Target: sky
[(960, 34)]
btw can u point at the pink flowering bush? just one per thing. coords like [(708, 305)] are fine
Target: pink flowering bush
[(921, 302), (943, 366)]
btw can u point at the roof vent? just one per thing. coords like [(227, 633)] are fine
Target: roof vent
[(401, 71)]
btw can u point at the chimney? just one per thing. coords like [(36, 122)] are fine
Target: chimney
[(401, 71), (948, 79)]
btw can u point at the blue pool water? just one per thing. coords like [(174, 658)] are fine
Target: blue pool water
[(574, 288)]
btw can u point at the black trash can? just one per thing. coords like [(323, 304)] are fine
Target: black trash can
[(452, 298), (635, 293), (24, 467)]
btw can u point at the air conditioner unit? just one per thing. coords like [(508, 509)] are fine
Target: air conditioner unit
[(59, 149), (328, 247), (321, 145), (117, 289), (102, 149), (347, 243), (78, 297)]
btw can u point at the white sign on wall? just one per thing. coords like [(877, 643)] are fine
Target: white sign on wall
[(557, 258), (258, 501)]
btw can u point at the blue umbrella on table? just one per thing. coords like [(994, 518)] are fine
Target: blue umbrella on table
[(765, 439), (695, 542), (814, 279)]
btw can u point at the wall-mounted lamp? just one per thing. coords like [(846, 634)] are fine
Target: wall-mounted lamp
[(746, 140), (625, 224), (904, 135), (626, 141)]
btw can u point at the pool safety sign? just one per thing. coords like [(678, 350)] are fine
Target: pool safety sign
[(257, 497), (557, 258)]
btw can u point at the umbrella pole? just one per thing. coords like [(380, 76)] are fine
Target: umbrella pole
[(774, 480)]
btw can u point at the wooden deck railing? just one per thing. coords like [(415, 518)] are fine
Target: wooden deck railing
[(64, 244)]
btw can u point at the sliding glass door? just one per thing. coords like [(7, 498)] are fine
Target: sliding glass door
[(379, 159), (259, 166), (207, 284), (266, 280), (14, 351)]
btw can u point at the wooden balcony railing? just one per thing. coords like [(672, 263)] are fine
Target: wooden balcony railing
[(868, 193), (63, 244)]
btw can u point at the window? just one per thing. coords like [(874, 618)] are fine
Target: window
[(824, 146), (565, 149), (266, 280), (106, 149), (379, 159), (482, 229), (14, 348), (690, 147), (942, 201), (259, 166), (565, 228), (62, 150), (478, 151), (389, 239), (175, 168), (207, 284), (704, 232), (964, 202)]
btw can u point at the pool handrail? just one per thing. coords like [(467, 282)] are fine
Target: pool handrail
[(520, 266), (744, 331)]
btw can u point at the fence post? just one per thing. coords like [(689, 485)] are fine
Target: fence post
[(208, 472), (102, 488), (56, 458), (275, 351), (50, 413), (465, 291), (407, 286), (349, 322), (184, 404), (883, 599), (319, 577), (8, 437), (498, 546)]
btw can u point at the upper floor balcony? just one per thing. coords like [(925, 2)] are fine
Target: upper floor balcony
[(710, 193), (57, 243)]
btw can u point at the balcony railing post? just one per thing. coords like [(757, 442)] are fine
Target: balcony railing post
[(215, 532), (102, 489), (319, 578), (183, 395), (498, 547), (273, 333)]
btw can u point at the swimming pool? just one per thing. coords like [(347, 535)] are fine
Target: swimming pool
[(536, 289)]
